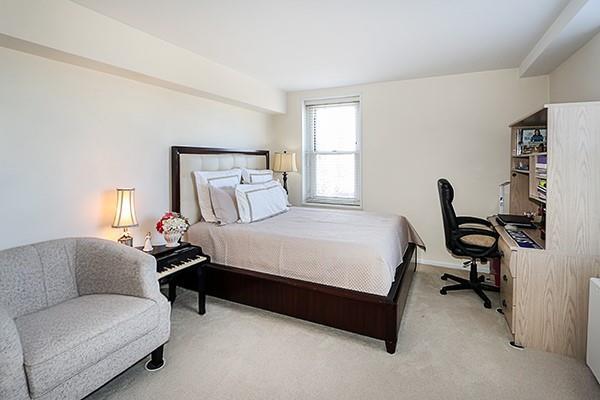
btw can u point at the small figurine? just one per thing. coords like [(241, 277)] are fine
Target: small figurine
[(148, 242)]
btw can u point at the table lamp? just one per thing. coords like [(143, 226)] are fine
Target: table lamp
[(284, 162), (125, 214)]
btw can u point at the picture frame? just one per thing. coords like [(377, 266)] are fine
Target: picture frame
[(532, 140)]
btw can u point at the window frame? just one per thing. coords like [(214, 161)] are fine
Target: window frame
[(307, 151)]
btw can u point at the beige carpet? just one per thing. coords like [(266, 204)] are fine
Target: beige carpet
[(450, 347)]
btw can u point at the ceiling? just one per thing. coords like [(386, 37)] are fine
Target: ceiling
[(298, 45)]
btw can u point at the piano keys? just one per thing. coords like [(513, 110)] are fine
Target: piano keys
[(178, 260)]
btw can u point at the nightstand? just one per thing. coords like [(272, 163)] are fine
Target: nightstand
[(174, 262)]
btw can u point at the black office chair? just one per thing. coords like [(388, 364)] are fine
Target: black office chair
[(465, 240)]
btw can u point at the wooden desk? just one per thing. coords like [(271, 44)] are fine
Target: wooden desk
[(544, 295)]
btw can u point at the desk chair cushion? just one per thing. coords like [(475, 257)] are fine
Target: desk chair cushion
[(477, 240)]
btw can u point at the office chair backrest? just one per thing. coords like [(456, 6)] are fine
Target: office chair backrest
[(448, 215)]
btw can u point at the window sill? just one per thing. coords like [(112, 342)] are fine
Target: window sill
[(331, 205)]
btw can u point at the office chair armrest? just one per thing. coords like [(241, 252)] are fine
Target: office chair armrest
[(475, 231), (473, 220), (486, 251)]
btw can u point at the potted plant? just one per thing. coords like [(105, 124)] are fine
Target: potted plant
[(172, 225)]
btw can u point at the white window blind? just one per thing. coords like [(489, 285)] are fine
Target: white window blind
[(332, 151)]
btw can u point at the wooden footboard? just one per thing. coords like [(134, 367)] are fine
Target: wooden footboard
[(398, 295), (367, 314)]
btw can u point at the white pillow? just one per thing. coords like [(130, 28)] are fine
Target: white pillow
[(258, 201), (256, 175), (224, 204), (227, 178)]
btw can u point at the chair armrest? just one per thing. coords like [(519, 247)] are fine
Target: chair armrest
[(13, 383), (461, 232), (106, 267), (485, 252), (473, 220)]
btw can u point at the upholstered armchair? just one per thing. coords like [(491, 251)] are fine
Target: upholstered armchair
[(74, 313)]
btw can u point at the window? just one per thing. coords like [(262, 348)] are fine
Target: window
[(332, 151)]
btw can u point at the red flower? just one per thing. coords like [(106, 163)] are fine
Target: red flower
[(159, 226)]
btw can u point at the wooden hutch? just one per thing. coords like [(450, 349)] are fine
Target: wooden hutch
[(544, 292)]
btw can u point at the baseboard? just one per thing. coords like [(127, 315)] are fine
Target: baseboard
[(483, 268)]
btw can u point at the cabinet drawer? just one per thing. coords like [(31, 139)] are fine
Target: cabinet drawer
[(507, 293), (508, 256)]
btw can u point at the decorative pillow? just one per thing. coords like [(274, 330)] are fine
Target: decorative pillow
[(256, 175), (230, 177), (258, 201), (224, 204)]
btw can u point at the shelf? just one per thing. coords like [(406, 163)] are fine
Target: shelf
[(530, 154), (537, 199), (521, 171), (541, 177)]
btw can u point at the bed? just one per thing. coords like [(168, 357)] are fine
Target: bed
[(345, 269)]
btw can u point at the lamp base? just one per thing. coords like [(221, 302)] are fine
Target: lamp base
[(126, 239), (285, 182)]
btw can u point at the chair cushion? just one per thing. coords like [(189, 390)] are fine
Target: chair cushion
[(63, 340), (478, 240)]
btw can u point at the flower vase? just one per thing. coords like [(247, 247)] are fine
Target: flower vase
[(172, 238)]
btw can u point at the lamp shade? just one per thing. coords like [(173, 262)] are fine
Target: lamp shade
[(284, 162), (125, 213)]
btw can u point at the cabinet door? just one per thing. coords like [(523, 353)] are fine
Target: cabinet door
[(573, 208), (519, 194)]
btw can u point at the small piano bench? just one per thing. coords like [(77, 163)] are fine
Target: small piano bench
[(172, 263)]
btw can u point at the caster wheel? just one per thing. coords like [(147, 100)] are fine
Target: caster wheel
[(487, 305), (444, 278), (150, 366), (443, 291)]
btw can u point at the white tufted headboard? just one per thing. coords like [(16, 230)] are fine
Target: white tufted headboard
[(185, 160)]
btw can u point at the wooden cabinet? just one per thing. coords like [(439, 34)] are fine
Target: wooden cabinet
[(573, 209), (544, 292), (544, 295)]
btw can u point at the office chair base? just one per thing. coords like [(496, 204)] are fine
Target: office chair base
[(475, 283)]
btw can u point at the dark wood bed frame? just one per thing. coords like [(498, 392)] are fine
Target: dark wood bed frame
[(367, 314)]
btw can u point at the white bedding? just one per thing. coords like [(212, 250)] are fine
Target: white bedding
[(349, 249)]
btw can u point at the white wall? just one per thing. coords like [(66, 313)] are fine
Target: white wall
[(64, 30), (69, 136), (416, 131), (578, 78)]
